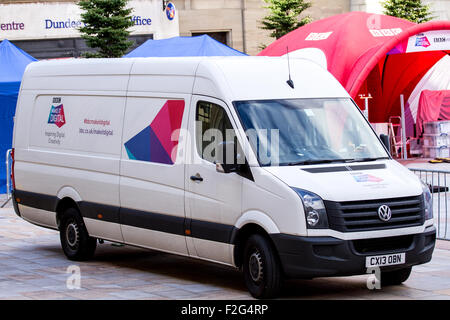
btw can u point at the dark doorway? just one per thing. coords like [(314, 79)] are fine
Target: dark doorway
[(66, 47), (221, 36)]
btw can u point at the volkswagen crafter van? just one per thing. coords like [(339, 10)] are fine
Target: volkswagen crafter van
[(220, 159)]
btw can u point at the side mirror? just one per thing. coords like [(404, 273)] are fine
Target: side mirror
[(226, 168), (385, 139), (238, 163), (224, 164)]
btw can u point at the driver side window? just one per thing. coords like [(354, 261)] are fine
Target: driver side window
[(215, 136)]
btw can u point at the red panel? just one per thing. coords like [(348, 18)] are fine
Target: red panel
[(432, 107), (167, 123), (402, 74)]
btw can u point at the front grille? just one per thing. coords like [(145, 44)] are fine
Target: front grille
[(355, 216), (383, 245)]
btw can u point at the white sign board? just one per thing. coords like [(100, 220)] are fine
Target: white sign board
[(25, 21), (429, 41)]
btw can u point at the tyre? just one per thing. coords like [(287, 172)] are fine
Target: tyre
[(75, 240), (261, 268), (390, 278)]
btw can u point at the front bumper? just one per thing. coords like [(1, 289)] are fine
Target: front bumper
[(312, 257)]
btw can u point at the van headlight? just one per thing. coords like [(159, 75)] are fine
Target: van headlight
[(427, 201), (315, 213)]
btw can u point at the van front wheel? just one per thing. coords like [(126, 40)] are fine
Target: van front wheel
[(75, 240), (262, 273), (392, 278)]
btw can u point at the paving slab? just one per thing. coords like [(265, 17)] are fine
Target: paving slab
[(33, 267)]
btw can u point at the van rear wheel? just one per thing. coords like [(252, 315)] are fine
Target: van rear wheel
[(261, 268), (392, 278), (75, 240)]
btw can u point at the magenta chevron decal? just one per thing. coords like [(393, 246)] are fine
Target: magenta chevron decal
[(158, 142)]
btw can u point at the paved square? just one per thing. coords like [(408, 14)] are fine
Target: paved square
[(33, 266)]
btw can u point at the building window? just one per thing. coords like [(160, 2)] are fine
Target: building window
[(221, 36)]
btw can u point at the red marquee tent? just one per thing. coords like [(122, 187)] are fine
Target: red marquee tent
[(371, 53)]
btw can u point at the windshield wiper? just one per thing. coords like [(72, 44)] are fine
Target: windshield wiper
[(365, 159), (309, 162)]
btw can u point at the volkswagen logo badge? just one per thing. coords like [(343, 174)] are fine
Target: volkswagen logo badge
[(384, 213)]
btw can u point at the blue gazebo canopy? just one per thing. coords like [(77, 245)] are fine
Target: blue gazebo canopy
[(13, 62), (183, 47)]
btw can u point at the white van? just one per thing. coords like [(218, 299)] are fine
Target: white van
[(129, 150)]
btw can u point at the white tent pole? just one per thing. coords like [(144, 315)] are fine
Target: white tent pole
[(366, 104), (366, 111), (402, 105)]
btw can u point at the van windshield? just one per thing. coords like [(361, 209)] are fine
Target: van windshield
[(308, 131)]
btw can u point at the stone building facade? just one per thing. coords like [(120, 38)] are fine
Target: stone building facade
[(439, 8)]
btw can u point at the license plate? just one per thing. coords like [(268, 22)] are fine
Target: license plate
[(385, 260)]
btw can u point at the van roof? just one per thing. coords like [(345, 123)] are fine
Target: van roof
[(227, 78)]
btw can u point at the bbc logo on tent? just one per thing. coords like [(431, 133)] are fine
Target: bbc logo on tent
[(313, 36), (385, 32)]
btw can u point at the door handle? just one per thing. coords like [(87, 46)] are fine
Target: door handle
[(197, 177)]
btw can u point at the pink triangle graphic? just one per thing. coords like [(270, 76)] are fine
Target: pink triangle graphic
[(166, 125)]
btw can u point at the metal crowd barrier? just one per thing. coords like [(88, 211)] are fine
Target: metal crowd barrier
[(8, 178), (439, 182)]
